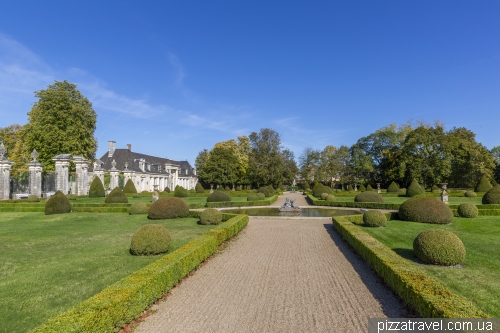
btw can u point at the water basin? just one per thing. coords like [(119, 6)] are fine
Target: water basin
[(306, 212)]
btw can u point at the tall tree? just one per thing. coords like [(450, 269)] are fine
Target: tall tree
[(11, 137), (221, 167), (266, 162), (495, 153), (309, 163), (62, 121), (290, 170)]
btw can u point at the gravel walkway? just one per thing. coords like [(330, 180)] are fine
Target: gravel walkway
[(278, 275)]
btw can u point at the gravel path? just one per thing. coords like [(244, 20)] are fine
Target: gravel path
[(278, 275), (300, 199)]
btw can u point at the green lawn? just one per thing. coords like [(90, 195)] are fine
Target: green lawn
[(50, 263), (479, 279)]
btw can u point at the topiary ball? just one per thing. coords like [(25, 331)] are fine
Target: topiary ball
[(32, 198), (492, 196), (468, 210), (320, 189), (180, 192), (166, 190), (369, 196), (470, 194), (374, 218), (168, 208), (138, 208), (425, 210), (330, 198), (218, 196), (150, 239), (323, 196), (116, 196), (439, 247), (260, 196), (393, 187), (483, 185), (265, 191), (211, 216), (414, 189), (57, 204), (252, 197)]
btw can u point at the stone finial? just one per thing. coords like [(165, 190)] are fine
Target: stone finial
[(113, 164), (3, 151), (34, 155), (126, 165), (98, 164)]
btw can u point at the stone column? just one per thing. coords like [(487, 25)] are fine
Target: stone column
[(62, 172), (82, 176), (35, 169), (113, 172), (5, 167), (99, 171)]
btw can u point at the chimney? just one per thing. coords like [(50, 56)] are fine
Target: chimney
[(129, 146), (111, 148)]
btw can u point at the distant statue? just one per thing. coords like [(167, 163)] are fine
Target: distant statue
[(155, 196), (289, 206)]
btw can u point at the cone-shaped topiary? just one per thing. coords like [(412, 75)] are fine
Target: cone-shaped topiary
[(414, 189), (439, 247), (362, 188), (218, 196), (210, 216), (116, 196), (468, 210), (483, 185), (180, 192), (306, 186), (470, 194), (150, 239), (374, 218), (435, 189), (369, 188), (393, 188), (349, 187), (168, 208), (129, 187), (96, 189), (138, 208), (57, 204), (425, 210), (492, 196), (368, 196), (199, 188)]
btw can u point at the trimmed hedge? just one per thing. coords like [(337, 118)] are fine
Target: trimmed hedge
[(483, 185), (467, 210), (414, 189), (320, 189), (168, 208), (371, 205), (33, 198), (116, 196), (393, 187), (425, 210), (218, 196), (439, 247), (138, 208), (130, 187), (125, 300), (470, 194), (421, 292), (199, 188), (57, 204), (265, 202), (369, 197), (362, 188), (330, 198), (260, 196), (96, 189), (210, 216), (180, 192), (492, 197), (150, 239), (252, 197), (374, 218)]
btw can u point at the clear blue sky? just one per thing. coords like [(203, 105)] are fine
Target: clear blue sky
[(174, 77)]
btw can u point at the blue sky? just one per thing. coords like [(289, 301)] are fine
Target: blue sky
[(172, 78)]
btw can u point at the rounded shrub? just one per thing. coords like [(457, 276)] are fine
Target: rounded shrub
[(330, 198), (199, 188), (260, 196), (492, 196), (180, 192), (362, 188), (71, 196), (211, 216), (167, 189), (468, 210), (393, 188), (320, 189), (483, 185), (130, 187), (96, 189), (252, 197), (470, 194), (271, 189), (150, 239), (439, 247), (374, 218), (32, 198), (323, 196), (425, 210), (57, 204), (368, 196), (414, 189), (265, 191), (168, 208), (116, 196), (218, 196), (138, 208)]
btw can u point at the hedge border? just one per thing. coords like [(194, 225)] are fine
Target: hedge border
[(265, 202), (372, 205), (421, 292), (125, 300)]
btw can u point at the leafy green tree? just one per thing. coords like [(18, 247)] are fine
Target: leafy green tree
[(11, 137), (62, 121), (290, 170), (266, 162), (309, 163), (495, 152), (220, 167)]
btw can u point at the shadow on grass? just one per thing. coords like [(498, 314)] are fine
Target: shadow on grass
[(405, 253), (392, 305)]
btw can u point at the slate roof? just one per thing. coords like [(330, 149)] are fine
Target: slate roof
[(156, 164)]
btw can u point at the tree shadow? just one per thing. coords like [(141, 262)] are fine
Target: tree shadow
[(371, 279)]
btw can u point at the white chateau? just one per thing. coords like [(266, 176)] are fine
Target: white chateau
[(147, 172)]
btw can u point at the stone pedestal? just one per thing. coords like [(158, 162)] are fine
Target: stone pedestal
[(5, 167), (62, 172), (82, 178), (35, 169)]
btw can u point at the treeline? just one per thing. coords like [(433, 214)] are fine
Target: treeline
[(419, 151)]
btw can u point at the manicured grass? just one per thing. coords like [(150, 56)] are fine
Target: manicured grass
[(479, 279), (51, 263)]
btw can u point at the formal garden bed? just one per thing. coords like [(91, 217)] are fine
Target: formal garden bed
[(51, 263)]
